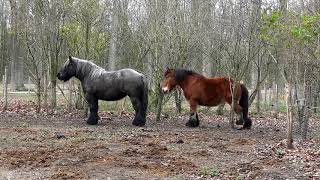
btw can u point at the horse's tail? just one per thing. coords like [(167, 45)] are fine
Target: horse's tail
[(144, 96), (244, 103)]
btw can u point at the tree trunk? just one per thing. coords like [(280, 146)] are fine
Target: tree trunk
[(53, 93), (53, 70), (113, 37), (79, 96), (14, 43), (5, 90), (149, 70), (70, 87), (160, 96), (308, 103), (3, 45), (269, 98), (289, 115), (276, 100), (16, 61), (258, 101), (220, 109), (206, 66), (233, 104), (265, 97), (178, 100), (316, 94), (38, 93), (315, 102), (45, 91), (300, 107), (53, 81), (87, 55)]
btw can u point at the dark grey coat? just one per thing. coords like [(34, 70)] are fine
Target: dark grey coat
[(98, 84)]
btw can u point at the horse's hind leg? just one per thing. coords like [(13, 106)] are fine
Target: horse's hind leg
[(193, 119), (239, 110), (93, 105), (139, 119)]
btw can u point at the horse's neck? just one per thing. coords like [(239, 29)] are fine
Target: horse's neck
[(85, 70), (187, 83)]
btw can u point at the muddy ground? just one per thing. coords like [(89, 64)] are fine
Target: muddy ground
[(63, 146)]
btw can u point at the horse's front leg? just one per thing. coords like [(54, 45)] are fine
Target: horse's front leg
[(193, 119), (93, 105)]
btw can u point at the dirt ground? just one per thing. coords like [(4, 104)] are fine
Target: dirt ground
[(62, 146)]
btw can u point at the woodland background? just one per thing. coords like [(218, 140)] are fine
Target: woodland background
[(272, 46)]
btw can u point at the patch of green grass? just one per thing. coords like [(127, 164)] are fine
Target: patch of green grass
[(282, 107), (317, 114), (209, 171), (88, 137), (124, 104), (267, 107), (240, 178), (280, 152)]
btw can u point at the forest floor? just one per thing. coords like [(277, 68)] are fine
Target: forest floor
[(60, 145)]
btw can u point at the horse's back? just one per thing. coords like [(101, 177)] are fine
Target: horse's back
[(213, 91), (127, 72), (218, 82), (132, 80)]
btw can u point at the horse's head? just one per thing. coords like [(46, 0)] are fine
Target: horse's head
[(68, 70), (169, 81)]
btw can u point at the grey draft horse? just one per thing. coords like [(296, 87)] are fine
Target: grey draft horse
[(97, 83)]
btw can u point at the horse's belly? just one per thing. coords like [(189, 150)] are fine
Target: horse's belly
[(114, 98), (211, 102), (111, 96)]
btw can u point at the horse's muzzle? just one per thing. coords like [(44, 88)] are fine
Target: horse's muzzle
[(60, 77), (165, 90)]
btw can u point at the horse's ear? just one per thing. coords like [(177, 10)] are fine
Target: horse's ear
[(70, 59), (168, 69)]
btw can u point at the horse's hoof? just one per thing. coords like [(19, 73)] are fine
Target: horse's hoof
[(192, 124), (247, 124), (137, 123), (242, 128), (239, 122), (92, 122)]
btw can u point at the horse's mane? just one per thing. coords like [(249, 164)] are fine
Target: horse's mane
[(85, 67), (181, 74)]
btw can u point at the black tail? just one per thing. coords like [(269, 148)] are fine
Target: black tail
[(244, 103)]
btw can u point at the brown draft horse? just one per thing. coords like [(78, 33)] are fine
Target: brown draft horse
[(199, 90)]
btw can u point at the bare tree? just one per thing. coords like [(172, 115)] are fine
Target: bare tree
[(16, 60)]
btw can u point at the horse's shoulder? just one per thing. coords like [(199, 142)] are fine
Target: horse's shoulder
[(216, 79), (130, 71)]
